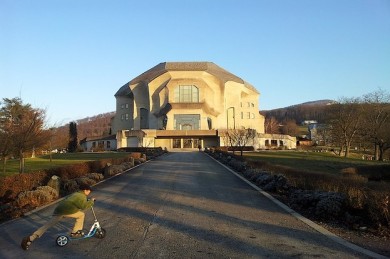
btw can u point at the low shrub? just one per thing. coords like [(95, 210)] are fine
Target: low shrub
[(11, 186), (95, 176), (42, 195), (70, 186)]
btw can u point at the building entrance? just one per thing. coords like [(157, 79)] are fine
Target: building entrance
[(187, 143)]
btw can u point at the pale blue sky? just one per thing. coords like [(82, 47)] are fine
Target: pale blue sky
[(71, 56)]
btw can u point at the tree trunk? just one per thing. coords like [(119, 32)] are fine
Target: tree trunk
[(380, 158), (4, 164), (347, 148), (382, 149), (21, 162), (377, 152), (341, 150)]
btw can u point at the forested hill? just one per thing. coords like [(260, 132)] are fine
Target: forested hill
[(95, 126), (314, 110)]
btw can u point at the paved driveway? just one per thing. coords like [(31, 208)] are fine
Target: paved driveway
[(181, 205)]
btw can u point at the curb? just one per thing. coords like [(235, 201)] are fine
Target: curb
[(307, 221)]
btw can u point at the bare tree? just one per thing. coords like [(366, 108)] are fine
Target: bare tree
[(240, 137), (271, 125), (345, 119), (323, 132), (377, 121), (290, 127)]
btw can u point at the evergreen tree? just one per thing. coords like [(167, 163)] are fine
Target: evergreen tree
[(72, 144)]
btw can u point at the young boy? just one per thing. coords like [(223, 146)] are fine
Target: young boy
[(71, 207)]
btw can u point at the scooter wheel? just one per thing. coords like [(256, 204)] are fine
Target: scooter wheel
[(62, 240), (100, 233)]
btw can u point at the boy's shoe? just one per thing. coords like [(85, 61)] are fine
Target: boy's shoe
[(79, 233), (26, 242)]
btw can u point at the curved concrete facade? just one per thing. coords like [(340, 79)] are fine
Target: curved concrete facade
[(184, 100)]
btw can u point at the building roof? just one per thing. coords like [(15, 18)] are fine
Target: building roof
[(164, 67), (110, 137)]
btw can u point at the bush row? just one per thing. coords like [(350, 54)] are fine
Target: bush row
[(11, 186), (21, 193)]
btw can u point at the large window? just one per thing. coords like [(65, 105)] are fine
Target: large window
[(187, 121), (144, 120), (186, 94)]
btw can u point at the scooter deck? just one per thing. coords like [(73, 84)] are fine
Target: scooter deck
[(81, 237)]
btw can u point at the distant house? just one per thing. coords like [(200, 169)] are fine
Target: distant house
[(276, 141), (99, 144), (308, 122)]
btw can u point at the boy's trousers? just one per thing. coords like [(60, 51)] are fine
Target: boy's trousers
[(79, 224)]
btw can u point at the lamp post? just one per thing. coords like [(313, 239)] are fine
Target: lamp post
[(50, 147)]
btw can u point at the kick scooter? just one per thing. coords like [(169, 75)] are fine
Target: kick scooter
[(96, 230)]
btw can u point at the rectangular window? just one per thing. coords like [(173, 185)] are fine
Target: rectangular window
[(127, 116), (248, 115), (187, 143), (108, 144), (176, 143), (186, 94), (195, 95)]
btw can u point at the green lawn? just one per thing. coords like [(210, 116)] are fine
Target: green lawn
[(43, 162), (326, 162)]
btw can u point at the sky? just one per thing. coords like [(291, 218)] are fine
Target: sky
[(69, 57)]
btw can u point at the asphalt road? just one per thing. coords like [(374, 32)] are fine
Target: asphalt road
[(181, 205)]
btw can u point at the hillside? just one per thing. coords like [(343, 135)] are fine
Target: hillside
[(314, 110), (95, 126)]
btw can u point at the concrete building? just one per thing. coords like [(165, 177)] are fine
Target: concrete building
[(184, 105)]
